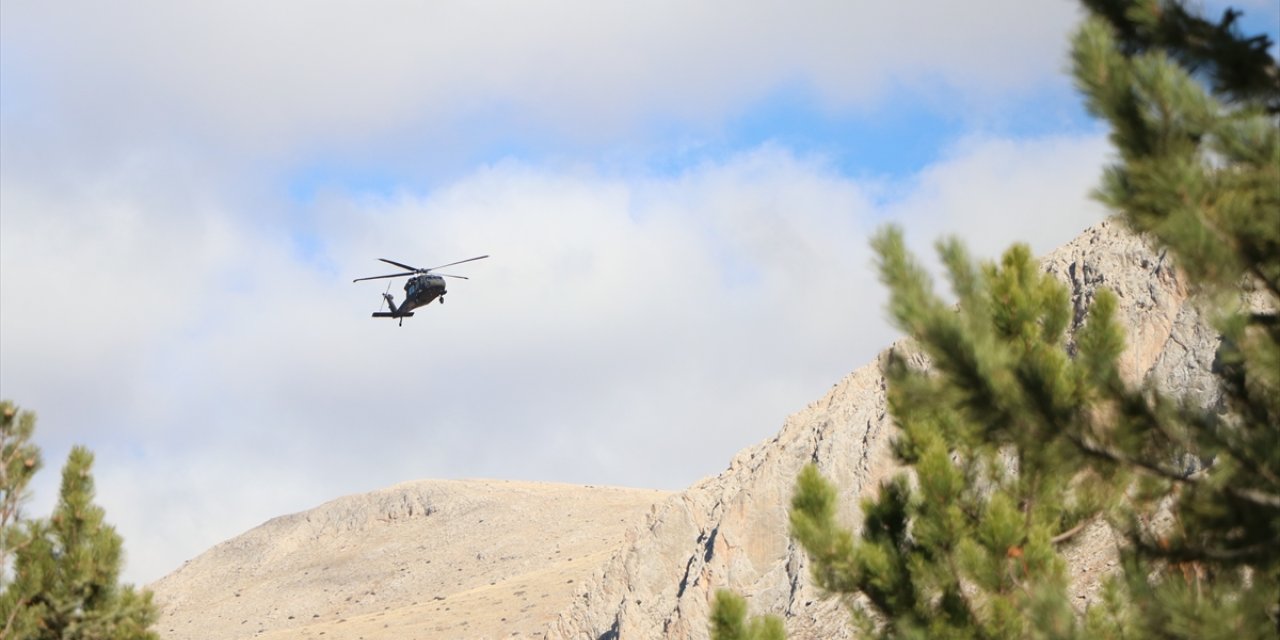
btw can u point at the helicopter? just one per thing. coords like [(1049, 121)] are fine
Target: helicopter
[(419, 290)]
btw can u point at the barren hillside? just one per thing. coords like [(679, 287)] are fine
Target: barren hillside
[(428, 559)]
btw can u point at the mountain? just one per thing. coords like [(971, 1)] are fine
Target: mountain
[(426, 559), (523, 560)]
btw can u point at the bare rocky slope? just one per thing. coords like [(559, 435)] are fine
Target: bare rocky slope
[(484, 559), (426, 559)]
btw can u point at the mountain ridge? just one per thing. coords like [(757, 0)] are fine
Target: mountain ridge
[(671, 551), (390, 563)]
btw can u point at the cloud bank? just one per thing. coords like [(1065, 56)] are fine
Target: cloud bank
[(188, 189), (626, 331), (297, 76)]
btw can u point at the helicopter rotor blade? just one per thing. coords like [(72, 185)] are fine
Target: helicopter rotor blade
[(451, 276), (391, 275), (452, 263), (403, 266)]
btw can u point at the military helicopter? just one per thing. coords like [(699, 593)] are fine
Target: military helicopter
[(419, 290)]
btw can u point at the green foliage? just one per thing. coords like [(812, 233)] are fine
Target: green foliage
[(63, 583), (1200, 175), (1019, 435), (1199, 170), (1018, 438), (729, 621), (19, 462), (966, 547), (1239, 68)]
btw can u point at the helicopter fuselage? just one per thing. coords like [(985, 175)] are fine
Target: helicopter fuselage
[(420, 291), (422, 288)]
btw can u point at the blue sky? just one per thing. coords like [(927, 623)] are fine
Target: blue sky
[(903, 132), (677, 199)]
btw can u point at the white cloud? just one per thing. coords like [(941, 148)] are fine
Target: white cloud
[(989, 191), (284, 77), (626, 330), (160, 306)]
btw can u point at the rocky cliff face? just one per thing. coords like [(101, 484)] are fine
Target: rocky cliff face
[(650, 564)]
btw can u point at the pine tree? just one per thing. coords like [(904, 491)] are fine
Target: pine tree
[(1015, 442), (64, 580), (19, 461), (1199, 171), (967, 549), (729, 621)]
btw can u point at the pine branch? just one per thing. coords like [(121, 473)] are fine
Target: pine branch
[(1071, 533), (20, 605), (1242, 456), (1201, 554), (1255, 497), (1115, 457)]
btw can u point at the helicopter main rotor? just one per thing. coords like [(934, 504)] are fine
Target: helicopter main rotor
[(413, 271)]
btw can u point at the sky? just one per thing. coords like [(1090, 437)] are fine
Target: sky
[(676, 197)]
